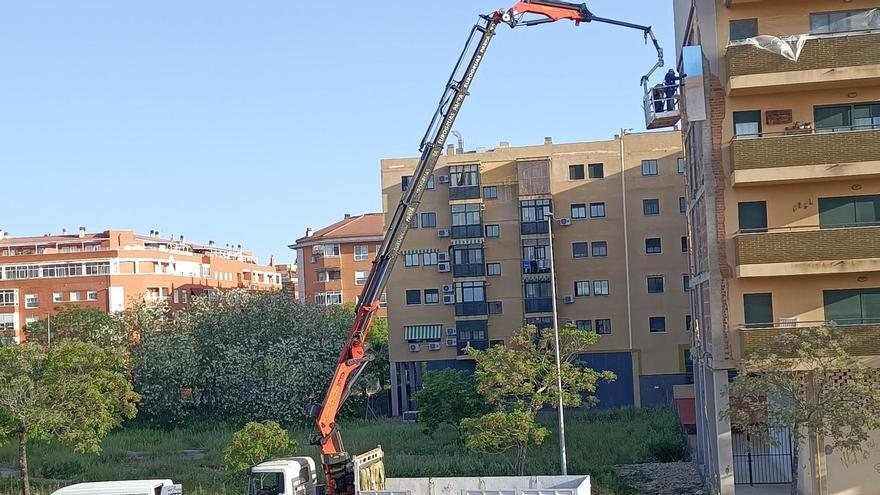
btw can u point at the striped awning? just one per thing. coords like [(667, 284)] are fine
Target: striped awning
[(420, 251), (422, 332), (470, 240)]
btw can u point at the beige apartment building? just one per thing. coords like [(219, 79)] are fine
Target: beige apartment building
[(781, 123), (476, 263)]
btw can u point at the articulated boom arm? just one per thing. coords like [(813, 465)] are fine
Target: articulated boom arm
[(353, 356)]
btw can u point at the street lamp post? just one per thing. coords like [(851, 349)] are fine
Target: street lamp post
[(562, 459)]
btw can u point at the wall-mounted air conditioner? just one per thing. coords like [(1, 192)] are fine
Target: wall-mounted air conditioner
[(415, 347), (565, 222), (568, 299), (443, 179), (452, 342), (443, 233), (448, 299), (434, 346), (450, 331), (443, 267), (448, 288), (442, 257)]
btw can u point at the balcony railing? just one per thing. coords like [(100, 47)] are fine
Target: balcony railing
[(801, 244), (464, 192), (819, 52), (539, 305), (478, 345), (472, 270), (471, 308), (528, 228), (467, 231), (536, 266), (866, 336), (799, 147)]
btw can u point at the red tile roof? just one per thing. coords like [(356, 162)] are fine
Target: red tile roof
[(366, 225)]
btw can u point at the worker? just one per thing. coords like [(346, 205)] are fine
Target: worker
[(671, 81), (657, 95)]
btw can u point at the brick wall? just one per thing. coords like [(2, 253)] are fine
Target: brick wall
[(866, 340), (812, 245), (820, 53), (808, 149)]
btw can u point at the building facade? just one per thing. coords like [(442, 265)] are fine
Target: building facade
[(333, 262), (289, 280), (781, 123), (476, 263), (106, 270)]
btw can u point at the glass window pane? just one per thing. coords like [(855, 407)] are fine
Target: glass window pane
[(753, 216), (836, 212), (747, 123), (741, 29), (832, 117), (758, 309)]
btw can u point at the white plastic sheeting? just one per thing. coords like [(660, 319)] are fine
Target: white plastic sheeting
[(789, 47)]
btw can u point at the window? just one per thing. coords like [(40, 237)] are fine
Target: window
[(470, 299), (596, 170), (538, 297), (753, 216), (600, 249), (649, 167), (57, 297), (842, 21), (582, 288), (585, 325), (849, 211), (28, 321), (686, 282), (429, 220), (490, 192), (493, 231), (321, 298), (325, 276), (383, 300), (468, 261), (404, 182), (413, 296), (471, 330), (432, 296), (184, 296), (657, 324), (361, 253), (679, 165), (578, 211), (31, 301), (576, 172), (747, 123), (597, 210), (331, 250), (533, 216), (688, 323), (429, 259), (651, 206), (74, 296), (493, 269), (92, 295), (684, 244), (758, 309), (536, 255), (846, 117), (579, 250), (464, 176), (411, 259), (741, 29), (414, 222), (360, 277), (653, 246), (7, 324), (495, 307), (430, 182), (98, 268), (852, 306), (600, 288), (682, 205), (603, 326), (655, 284), (467, 220)]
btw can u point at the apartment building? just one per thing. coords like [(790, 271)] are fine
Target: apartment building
[(476, 263), (334, 262), (289, 279), (106, 270), (781, 123)]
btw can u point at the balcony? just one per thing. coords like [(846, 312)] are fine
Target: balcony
[(471, 270), (531, 267), (808, 250), (826, 61), (866, 338), (467, 231), (479, 345), (805, 155), (464, 192), (480, 308), (539, 305), (530, 228)]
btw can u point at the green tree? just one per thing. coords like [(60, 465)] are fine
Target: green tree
[(74, 393), (448, 397), (520, 378), (255, 443), (806, 381), (84, 324)]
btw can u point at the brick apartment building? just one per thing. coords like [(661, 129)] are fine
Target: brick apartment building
[(334, 262), (784, 206), (475, 265), (108, 269), (289, 280)]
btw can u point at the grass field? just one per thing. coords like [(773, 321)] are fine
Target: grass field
[(595, 442)]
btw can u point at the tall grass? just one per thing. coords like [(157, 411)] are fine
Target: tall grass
[(595, 442)]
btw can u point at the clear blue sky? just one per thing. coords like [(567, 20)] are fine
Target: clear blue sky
[(246, 122)]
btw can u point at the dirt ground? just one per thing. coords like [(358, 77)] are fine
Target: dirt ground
[(673, 478)]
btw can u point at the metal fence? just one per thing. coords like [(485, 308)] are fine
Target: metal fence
[(757, 462)]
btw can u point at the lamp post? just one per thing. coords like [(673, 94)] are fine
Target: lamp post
[(562, 459)]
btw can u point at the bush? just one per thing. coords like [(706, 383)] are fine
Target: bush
[(448, 397), (255, 443)]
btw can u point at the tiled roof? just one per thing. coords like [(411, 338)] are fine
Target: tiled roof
[(366, 225)]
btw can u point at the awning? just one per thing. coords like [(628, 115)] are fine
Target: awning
[(420, 251), (470, 240), (422, 332)]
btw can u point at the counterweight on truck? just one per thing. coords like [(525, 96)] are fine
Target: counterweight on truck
[(337, 463)]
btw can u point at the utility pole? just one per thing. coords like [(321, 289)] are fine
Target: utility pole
[(562, 459), (48, 329)]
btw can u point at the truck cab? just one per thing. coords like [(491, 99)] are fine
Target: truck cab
[(288, 476)]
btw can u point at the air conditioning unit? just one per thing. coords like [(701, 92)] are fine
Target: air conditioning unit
[(443, 179), (452, 342), (450, 331), (448, 299), (434, 346), (568, 299), (443, 267), (415, 347), (448, 288), (565, 222), (442, 257), (788, 322), (443, 233)]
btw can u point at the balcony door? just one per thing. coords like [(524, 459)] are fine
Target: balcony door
[(852, 306)]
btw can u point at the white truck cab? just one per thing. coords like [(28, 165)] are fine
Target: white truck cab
[(288, 476)]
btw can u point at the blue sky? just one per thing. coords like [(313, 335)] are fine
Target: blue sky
[(246, 122)]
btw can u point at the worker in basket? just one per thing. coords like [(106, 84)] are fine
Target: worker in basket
[(671, 81), (657, 97)]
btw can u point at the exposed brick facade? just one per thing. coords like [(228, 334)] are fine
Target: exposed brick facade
[(811, 245), (866, 340), (807, 149), (819, 53)]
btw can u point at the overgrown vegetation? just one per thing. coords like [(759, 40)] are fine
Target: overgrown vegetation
[(255, 443), (596, 441)]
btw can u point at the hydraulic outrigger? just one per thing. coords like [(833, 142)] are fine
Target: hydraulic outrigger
[(353, 357)]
